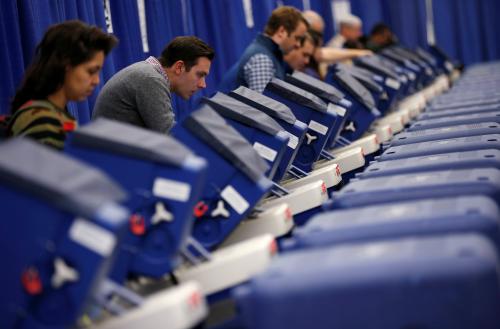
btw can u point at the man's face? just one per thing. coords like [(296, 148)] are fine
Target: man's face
[(299, 58), (383, 38), (189, 82), (352, 32), (294, 39)]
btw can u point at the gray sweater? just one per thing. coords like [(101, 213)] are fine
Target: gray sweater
[(138, 95)]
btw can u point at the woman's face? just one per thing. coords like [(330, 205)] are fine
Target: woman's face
[(80, 80)]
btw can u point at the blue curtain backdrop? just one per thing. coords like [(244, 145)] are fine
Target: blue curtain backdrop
[(405, 17), (467, 30), (26, 22), (11, 53)]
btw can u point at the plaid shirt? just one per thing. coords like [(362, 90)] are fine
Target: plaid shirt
[(258, 71)]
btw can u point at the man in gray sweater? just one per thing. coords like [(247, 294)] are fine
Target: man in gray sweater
[(140, 94)]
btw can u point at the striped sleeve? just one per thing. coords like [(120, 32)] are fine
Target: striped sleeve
[(43, 125)]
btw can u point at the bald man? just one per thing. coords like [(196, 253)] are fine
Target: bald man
[(315, 21), (323, 56), (350, 30)]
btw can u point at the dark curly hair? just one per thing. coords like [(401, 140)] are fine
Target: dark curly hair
[(66, 44)]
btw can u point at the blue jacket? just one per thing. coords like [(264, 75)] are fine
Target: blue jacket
[(260, 45)]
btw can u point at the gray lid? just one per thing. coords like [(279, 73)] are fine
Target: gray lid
[(315, 86), (58, 179), (399, 58), (426, 56), (377, 64), (296, 94), (211, 128), (232, 108), (365, 79), (355, 88), (265, 104), (124, 139), (409, 55)]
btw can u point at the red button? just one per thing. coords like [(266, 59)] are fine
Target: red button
[(69, 126), (200, 209), (137, 224), (31, 281)]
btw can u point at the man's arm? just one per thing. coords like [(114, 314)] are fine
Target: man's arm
[(154, 103), (258, 71), (333, 55)]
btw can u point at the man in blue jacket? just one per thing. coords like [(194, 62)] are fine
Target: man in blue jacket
[(263, 58)]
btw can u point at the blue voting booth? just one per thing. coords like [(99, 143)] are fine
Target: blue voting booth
[(163, 179), (459, 111), (431, 134), (266, 135), (328, 94), (364, 109), (396, 84), (489, 158), (447, 282), (60, 231), (416, 186), (236, 174), (308, 108), (439, 146), (439, 217), (295, 128)]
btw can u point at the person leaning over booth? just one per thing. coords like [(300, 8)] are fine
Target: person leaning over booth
[(140, 94), (324, 56), (263, 58), (299, 58), (349, 32), (380, 37), (65, 68)]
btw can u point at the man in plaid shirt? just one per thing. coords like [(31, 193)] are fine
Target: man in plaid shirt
[(263, 58)]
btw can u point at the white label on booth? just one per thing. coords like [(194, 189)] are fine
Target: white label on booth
[(264, 151), (235, 200), (171, 189), (293, 141), (92, 237), (318, 127), (337, 109), (391, 83)]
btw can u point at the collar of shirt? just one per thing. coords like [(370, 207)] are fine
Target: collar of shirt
[(271, 45), (157, 66)]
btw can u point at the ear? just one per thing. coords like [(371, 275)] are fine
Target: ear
[(282, 32), (179, 67)]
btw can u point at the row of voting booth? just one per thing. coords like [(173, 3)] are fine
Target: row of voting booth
[(368, 200)]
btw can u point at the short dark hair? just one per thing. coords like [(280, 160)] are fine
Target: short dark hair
[(69, 43), (286, 16), (316, 37), (187, 49), (379, 28)]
